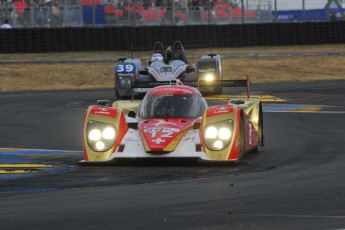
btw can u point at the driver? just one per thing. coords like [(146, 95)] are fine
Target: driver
[(156, 57)]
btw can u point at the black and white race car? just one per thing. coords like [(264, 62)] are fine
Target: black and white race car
[(165, 64)]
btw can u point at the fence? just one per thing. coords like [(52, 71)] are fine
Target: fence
[(167, 12), (38, 40)]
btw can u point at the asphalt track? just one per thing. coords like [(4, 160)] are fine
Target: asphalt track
[(295, 182)]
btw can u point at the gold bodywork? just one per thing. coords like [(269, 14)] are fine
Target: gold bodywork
[(94, 155), (251, 107)]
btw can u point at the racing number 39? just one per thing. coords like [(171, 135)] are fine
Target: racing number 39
[(128, 68)]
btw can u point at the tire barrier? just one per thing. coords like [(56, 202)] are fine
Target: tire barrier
[(38, 40)]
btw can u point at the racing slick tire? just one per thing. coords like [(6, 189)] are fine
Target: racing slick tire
[(119, 95)]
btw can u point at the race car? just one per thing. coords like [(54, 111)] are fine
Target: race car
[(164, 65), (209, 69), (173, 121)]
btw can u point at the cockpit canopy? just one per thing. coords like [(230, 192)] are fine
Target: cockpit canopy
[(172, 102)]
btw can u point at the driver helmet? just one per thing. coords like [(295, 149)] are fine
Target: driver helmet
[(156, 57)]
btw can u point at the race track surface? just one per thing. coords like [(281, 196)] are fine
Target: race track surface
[(295, 182)]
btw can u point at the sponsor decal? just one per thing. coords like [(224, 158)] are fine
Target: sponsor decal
[(104, 112), (219, 110), (164, 130), (158, 141), (190, 139), (250, 134), (125, 74), (160, 133), (207, 70), (165, 69)]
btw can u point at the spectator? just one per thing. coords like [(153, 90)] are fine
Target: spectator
[(150, 4), (56, 15), (332, 16), (6, 25)]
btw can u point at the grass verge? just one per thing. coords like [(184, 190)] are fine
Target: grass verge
[(266, 68)]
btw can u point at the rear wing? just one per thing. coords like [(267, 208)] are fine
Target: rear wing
[(197, 84)]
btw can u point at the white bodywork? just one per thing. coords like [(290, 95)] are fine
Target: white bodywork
[(134, 147), (164, 72)]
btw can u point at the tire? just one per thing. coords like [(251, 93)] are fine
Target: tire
[(119, 95)]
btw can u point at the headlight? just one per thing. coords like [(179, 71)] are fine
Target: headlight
[(100, 136), (211, 132), (95, 135), (209, 77), (125, 82), (218, 135), (108, 133)]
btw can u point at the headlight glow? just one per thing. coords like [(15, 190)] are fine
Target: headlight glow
[(218, 144), (100, 136), (100, 145), (224, 133), (217, 136), (108, 133), (209, 77), (95, 135), (211, 132)]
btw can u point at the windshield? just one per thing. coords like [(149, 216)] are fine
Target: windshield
[(172, 106)]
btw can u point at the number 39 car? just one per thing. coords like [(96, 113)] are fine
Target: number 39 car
[(173, 121), (165, 65)]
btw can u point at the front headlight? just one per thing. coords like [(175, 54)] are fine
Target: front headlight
[(125, 82), (218, 135), (209, 77), (100, 136)]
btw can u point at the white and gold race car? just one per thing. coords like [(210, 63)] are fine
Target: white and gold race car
[(173, 121)]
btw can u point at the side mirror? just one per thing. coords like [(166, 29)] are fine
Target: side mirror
[(104, 102)]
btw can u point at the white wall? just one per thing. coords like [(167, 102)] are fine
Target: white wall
[(297, 4)]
